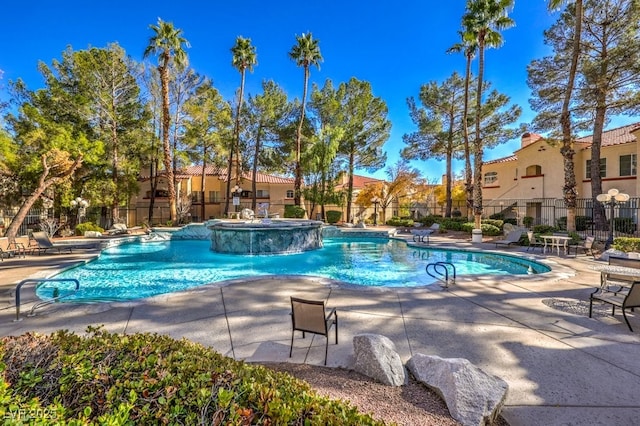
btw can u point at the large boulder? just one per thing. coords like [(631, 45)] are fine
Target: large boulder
[(472, 396), (376, 357)]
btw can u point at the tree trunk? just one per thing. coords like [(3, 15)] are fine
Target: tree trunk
[(477, 187), (468, 181), (569, 189), (297, 186), (115, 206), (350, 184), (256, 154), (599, 215), (203, 179), (166, 146), (43, 184)]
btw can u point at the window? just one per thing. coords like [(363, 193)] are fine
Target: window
[(196, 197), (603, 168), (490, 177), (262, 193), (628, 165), (289, 193), (534, 170), (214, 196)]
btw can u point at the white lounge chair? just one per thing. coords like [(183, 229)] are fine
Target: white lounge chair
[(512, 237), (420, 234)]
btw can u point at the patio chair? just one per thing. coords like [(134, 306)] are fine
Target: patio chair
[(309, 316), (6, 249), (420, 234), (534, 242), (512, 237), (623, 300), (586, 246), (44, 243), (117, 229)]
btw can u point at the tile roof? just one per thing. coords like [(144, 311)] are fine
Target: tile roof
[(502, 160), (221, 172), (618, 136), (360, 182)]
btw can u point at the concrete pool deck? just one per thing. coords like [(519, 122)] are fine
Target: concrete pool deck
[(534, 332)]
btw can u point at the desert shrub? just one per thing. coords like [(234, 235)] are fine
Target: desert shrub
[(291, 211), (146, 378), (453, 224), (456, 213), (81, 228), (624, 224), (431, 219), (333, 216), (495, 222), (487, 229), (527, 221), (626, 244), (544, 229), (396, 221)]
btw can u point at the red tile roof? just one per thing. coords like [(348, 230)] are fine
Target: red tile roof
[(502, 160), (221, 173), (360, 182), (618, 136)]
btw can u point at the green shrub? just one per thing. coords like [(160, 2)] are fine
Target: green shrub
[(81, 228), (396, 221), (487, 229), (495, 222), (626, 244), (624, 224), (456, 213), (582, 223), (497, 216), (511, 220), (291, 211), (146, 378), (544, 229), (333, 216), (453, 224), (527, 221)]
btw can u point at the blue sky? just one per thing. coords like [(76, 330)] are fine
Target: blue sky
[(396, 46)]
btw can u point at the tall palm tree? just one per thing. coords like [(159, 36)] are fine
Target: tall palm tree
[(569, 189), (243, 59), (168, 44), (305, 53), (468, 46), (484, 19)]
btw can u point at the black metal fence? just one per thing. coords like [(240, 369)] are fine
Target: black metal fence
[(525, 212)]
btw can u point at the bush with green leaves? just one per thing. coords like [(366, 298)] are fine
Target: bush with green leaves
[(487, 229), (626, 244), (452, 224), (495, 222), (81, 228), (333, 216), (107, 378), (291, 211), (396, 221), (544, 229)]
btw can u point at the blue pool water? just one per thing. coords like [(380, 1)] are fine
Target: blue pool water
[(138, 270)]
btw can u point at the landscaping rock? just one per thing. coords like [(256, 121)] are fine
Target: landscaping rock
[(472, 396), (376, 357), (92, 234)]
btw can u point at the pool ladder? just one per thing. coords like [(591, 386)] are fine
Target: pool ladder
[(45, 302), (440, 270)]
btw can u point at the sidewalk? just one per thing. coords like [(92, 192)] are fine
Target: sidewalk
[(562, 367)]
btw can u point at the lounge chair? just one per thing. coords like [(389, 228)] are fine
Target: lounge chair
[(420, 234), (6, 249), (44, 243), (623, 299), (512, 237), (309, 316), (586, 246), (117, 229), (534, 242)]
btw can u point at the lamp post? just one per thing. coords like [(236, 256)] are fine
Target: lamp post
[(237, 192), (375, 201), (612, 198), (81, 204)]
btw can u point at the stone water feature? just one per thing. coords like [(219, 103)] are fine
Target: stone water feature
[(266, 236)]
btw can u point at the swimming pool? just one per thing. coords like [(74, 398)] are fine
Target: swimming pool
[(139, 270)]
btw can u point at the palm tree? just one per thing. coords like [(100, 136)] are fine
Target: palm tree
[(569, 189), (244, 57), (168, 44), (305, 53), (469, 46), (484, 19)]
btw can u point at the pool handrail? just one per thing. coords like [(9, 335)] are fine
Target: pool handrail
[(40, 280), (444, 266)]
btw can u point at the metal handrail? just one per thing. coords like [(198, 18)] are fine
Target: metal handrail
[(438, 268), (27, 281)]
